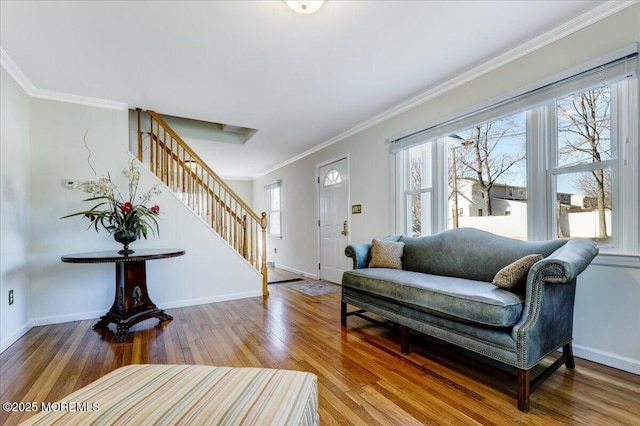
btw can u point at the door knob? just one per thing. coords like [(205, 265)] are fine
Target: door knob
[(344, 228)]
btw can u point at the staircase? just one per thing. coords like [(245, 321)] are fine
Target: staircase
[(184, 172)]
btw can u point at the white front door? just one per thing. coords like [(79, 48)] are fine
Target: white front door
[(333, 182)]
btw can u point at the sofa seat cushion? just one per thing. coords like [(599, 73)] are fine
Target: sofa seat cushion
[(476, 302)]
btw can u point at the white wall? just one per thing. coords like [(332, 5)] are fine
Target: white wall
[(42, 145), (607, 317), (14, 209), (513, 226), (371, 186), (244, 190), (607, 313), (584, 224), (210, 270)]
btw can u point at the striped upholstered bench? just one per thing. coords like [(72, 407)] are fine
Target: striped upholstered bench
[(189, 394)]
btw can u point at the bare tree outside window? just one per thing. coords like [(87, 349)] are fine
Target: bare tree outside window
[(578, 181), (487, 155), (589, 186), (416, 202), (418, 194), (584, 136)]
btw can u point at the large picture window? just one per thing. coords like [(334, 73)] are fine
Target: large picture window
[(560, 161)]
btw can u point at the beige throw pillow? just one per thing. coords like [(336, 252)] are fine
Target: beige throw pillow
[(514, 276), (386, 254)]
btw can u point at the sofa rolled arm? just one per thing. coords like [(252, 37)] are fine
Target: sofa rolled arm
[(566, 263), (360, 253), (547, 321)]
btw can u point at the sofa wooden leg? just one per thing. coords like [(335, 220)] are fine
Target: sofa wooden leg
[(343, 313), (524, 389), (404, 339), (567, 351)]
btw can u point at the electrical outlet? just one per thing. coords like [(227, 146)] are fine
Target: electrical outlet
[(11, 297)]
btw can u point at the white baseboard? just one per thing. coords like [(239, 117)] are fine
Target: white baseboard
[(12, 339), (206, 300), (606, 358), (81, 316), (36, 322), (59, 319), (297, 271)]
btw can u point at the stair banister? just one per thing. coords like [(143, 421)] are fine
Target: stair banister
[(172, 160)]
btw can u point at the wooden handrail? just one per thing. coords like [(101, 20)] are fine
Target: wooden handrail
[(200, 181), (171, 159), (201, 163)]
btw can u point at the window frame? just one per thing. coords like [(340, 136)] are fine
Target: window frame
[(269, 201), (541, 192)]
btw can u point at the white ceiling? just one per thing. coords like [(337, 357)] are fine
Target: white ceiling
[(303, 80)]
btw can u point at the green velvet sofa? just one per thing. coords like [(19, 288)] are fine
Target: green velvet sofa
[(444, 289)]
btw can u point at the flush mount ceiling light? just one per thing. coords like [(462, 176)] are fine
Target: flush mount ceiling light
[(305, 7)]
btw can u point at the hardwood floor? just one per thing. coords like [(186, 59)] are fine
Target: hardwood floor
[(363, 377)]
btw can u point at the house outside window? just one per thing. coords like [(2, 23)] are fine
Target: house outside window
[(565, 166), (486, 162), (273, 207)]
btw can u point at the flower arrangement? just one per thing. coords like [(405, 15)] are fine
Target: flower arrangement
[(119, 215)]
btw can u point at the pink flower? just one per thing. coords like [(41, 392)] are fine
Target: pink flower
[(155, 209), (127, 207)]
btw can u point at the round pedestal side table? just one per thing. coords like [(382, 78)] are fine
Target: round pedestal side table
[(131, 303)]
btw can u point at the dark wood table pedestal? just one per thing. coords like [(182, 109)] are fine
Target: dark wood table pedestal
[(131, 303)]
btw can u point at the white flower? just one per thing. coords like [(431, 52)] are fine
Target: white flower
[(100, 188), (132, 173), (113, 211)]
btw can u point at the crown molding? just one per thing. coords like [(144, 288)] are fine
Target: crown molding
[(594, 15), (23, 81), (582, 21), (80, 100), (16, 73), (576, 24), (237, 178)]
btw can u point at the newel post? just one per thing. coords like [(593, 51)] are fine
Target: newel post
[(263, 267)]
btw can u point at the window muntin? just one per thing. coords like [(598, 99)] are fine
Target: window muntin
[(584, 166), (332, 178)]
